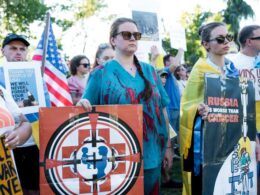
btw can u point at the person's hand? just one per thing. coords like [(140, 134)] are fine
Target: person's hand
[(203, 110), (12, 139), (154, 52), (85, 104), (168, 157)]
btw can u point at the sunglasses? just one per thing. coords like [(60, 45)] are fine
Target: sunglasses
[(86, 65), (222, 39), (128, 35), (255, 38)]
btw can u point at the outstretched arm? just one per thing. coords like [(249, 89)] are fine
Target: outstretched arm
[(177, 60), (154, 55)]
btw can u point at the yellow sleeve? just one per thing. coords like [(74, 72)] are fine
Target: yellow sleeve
[(159, 62), (192, 96)]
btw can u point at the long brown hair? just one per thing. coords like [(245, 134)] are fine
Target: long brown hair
[(148, 88)]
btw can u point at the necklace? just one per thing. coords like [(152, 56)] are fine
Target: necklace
[(132, 68), (129, 68)]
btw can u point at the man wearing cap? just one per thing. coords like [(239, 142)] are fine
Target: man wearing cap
[(15, 49)]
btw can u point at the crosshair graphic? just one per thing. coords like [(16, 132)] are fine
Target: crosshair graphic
[(92, 153)]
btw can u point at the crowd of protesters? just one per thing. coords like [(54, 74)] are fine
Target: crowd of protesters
[(172, 98)]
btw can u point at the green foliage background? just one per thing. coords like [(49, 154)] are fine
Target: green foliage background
[(236, 10)]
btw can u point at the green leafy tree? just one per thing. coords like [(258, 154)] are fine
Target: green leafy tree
[(17, 15), (89, 8), (236, 10), (191, 22)]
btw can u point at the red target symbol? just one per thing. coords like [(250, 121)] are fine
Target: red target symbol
[(92, 153)]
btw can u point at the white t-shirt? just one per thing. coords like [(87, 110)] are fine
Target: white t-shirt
[(241, 61), (182, 85)]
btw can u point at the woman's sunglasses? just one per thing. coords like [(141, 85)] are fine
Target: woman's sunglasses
[(255, 38), (86, 65), (222, 39), (128, 35)]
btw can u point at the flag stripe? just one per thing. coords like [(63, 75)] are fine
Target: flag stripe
[(54, 71), (54, 85), (57, 95), (37, 57), (56, 79)]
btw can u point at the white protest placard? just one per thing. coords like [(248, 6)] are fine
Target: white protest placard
[(24, 82), (148, 23), (178, 37), (254, 75)]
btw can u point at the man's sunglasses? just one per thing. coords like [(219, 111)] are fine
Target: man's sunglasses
[(128, 35), (86, 65), (222, 39), (255, 38)]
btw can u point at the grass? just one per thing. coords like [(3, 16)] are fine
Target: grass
[(175, 175)]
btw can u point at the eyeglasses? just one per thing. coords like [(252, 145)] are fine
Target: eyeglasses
[(128, 35), (222, 39), (255, 38), (86, 65)]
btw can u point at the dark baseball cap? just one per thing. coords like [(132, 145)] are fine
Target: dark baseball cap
[(14, 37)]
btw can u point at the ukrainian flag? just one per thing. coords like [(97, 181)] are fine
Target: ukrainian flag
[(192, 96)]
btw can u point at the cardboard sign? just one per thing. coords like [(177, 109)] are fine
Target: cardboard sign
[(229, 162), (9, 182), (178, 37), (99, 152), (8, 176)]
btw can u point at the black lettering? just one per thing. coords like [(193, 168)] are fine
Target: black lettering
[(5, 173), (6, 151), (11, 168), (6, 189), (15, 185)]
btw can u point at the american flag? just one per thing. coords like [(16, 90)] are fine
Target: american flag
[(54, 71)]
